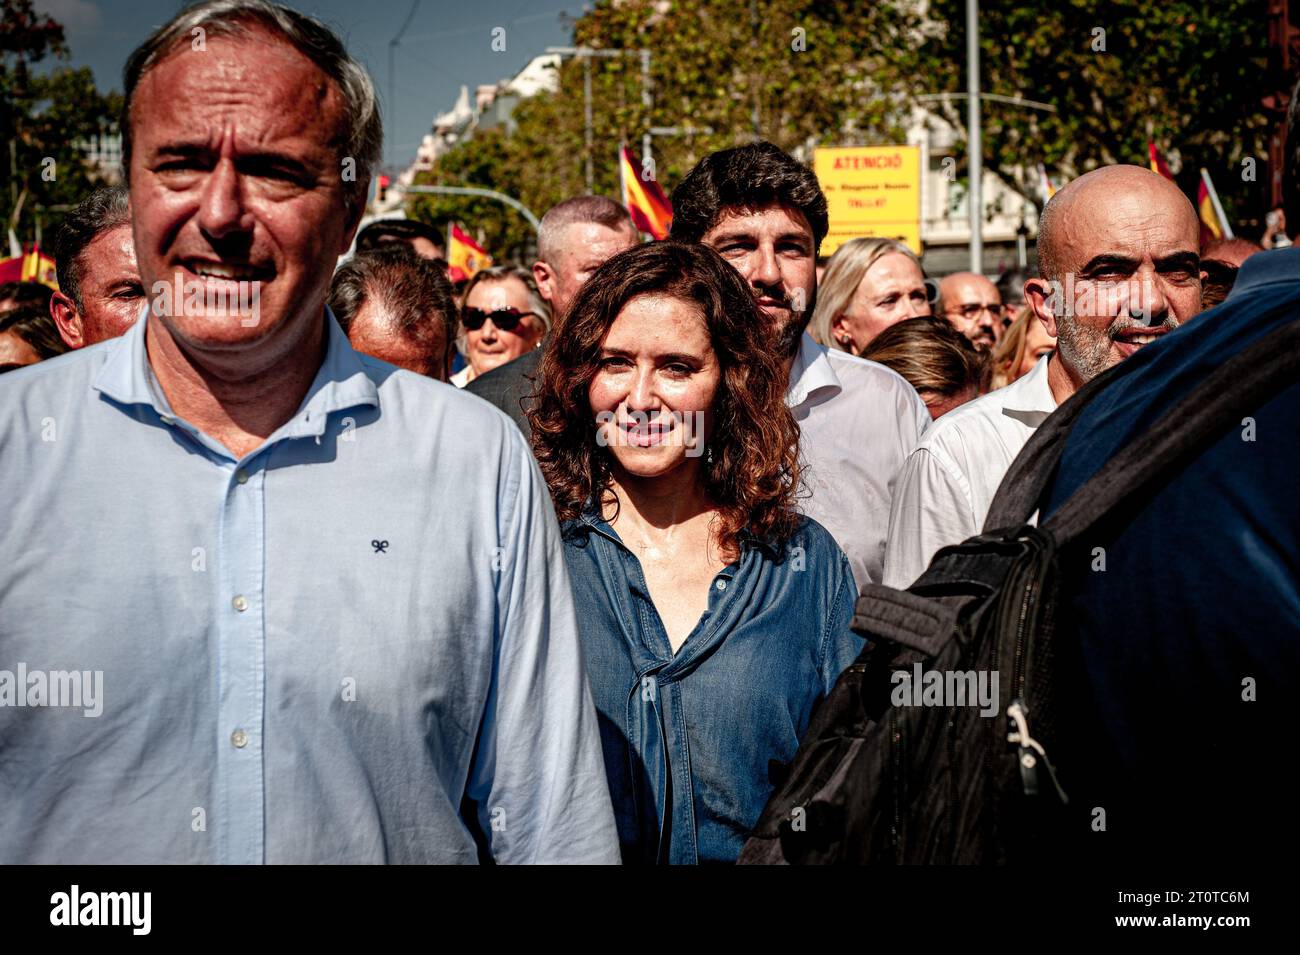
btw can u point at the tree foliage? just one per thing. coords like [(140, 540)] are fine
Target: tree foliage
[(797, 72), (836, 72), (43, 116), (1189, 76)]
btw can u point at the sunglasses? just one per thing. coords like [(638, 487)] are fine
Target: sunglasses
[(506, 319)]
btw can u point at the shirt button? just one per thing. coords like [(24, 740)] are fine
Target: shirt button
[(721, 585), (239, 739), (241, 476), (240, 603)]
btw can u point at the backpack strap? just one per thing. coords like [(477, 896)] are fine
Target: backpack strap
[(918, 623), (1245, 381)]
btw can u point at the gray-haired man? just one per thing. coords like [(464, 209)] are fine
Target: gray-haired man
[(99, 295), (324, 598), (397, 306), (575, 238)]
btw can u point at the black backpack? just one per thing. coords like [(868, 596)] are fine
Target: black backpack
[(876, 782)]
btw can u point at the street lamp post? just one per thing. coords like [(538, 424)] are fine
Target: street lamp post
[(512, 202), (586, 53), (977, 153), (974, 137), (586, 116)]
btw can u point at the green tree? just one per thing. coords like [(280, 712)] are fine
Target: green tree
[(797, 72), (43, 117), (1187, 75), (804, 73)]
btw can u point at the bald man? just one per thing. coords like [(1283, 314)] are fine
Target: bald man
[(1117, 251), (973, 305), (1118, 255)]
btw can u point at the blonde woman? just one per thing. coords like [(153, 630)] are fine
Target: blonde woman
[(869, 284), (502, 316), (1022, 344)]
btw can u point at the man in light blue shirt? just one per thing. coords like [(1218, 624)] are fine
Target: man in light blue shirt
[(320, 603)]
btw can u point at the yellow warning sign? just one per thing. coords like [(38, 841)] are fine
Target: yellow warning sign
[(871, 191)]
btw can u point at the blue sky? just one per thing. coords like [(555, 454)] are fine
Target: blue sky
[(446, 45)]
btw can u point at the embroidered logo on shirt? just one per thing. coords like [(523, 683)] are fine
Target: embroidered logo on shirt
[(381, 547)]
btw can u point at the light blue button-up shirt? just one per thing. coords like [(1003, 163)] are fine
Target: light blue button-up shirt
[(311, 654)]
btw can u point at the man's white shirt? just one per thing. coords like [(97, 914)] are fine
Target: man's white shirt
[(944, 490), (858, 420)]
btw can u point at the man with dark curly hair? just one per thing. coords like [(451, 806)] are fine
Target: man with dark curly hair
[(765, 213)]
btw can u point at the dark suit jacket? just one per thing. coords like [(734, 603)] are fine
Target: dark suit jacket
[(509, 385)]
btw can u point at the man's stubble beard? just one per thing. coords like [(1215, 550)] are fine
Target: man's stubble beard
[(790, 334), (792, 328), (1089, 357)]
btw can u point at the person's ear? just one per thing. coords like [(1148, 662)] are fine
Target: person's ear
[(68, 320), (841, 332), (544, 275), (355, 210), (1045, 299)]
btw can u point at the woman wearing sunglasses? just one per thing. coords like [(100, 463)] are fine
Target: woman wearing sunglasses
[(502, 316), (713, 616)]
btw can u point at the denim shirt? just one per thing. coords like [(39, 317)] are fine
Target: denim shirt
[(691, 739)]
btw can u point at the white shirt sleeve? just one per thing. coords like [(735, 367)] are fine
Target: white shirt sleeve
[(931, 508), (539, 774)]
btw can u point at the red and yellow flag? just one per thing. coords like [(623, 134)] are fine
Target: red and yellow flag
[(1214, 224), (1158, 163), (32, 266), (464, 255), (1209, 219), (646, 203), (1045, 183)]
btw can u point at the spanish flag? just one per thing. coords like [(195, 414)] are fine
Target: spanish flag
[(464, 255), (1214, 224), (1045, 183), (1158, 163), (646, 203), (31, 266)]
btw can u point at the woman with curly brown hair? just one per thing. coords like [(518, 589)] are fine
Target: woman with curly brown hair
[(713, 616)]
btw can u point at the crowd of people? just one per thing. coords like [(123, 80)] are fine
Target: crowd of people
[(346, 610)]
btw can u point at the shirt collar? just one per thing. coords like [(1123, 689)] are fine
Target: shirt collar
[(341, 382), (812, 378), (1029, 399), (1032, 392), (1266, 268)]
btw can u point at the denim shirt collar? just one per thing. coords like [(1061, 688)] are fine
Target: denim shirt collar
[(341, 382)]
